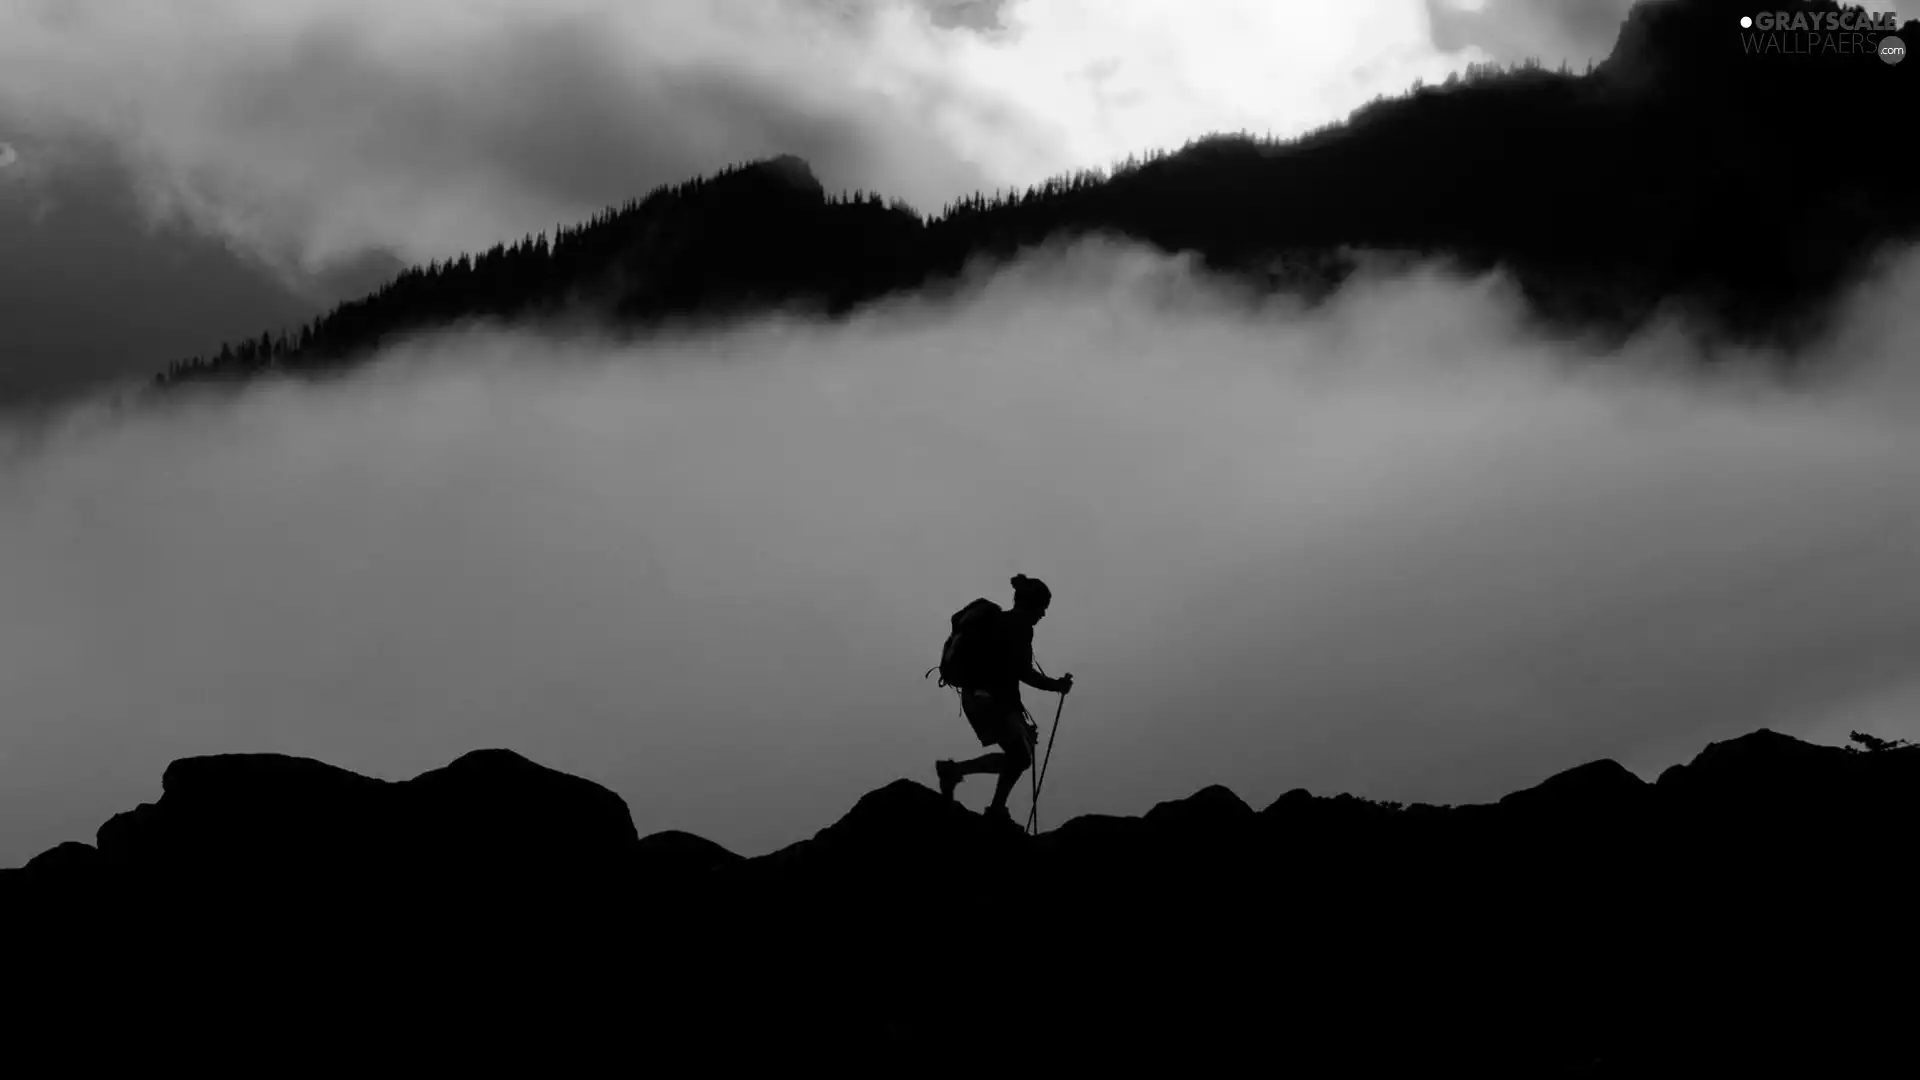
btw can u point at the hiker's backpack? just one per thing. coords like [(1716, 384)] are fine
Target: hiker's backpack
[(964, 658)]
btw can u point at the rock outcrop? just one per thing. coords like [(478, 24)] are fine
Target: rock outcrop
[(1742, 913)]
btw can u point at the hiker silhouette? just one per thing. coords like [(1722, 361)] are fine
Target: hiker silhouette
[(998, 647)]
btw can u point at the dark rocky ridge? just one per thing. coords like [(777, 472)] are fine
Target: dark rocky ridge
[(1743, 912)]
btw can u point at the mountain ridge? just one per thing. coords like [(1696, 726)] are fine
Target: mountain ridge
[(194, 786), (1669, 180), (1592, 924)]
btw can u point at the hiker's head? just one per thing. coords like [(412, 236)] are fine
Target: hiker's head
[(1030, 597)]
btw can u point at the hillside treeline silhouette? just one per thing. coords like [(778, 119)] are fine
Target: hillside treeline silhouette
[(1681, 174)]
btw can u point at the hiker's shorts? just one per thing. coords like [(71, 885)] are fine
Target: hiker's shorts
[(998, 723)]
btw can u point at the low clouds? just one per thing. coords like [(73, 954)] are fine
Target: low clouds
[(1510, 31), (94, 290), (1397, 546), (310, 132)]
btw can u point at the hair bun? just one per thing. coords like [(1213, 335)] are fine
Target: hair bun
[(1032, 588)]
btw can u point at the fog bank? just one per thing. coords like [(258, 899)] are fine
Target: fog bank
[(1399, 546)]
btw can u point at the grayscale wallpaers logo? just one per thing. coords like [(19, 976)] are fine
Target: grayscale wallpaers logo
[(1814, 33)]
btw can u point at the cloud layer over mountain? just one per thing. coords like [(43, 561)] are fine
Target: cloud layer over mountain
[(1398, 546)]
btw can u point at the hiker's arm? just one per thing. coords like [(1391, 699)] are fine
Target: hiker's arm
[(1041, 682)]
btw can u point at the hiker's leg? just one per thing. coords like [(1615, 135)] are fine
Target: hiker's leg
[(992, 763), (1015, 760)]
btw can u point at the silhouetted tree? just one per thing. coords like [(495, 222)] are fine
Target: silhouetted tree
[(1870, 744)]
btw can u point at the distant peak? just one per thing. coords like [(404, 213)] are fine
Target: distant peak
[(489, 758), (789, 171), (1596, 782), (219, 771), (1213, 803), (1762, 740)]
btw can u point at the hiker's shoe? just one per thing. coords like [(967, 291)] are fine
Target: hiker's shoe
[(997, 813), (949, 777)]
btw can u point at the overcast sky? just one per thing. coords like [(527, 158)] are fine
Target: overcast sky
[(310, 129), (291, 152)]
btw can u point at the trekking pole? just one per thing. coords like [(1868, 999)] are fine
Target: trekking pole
[(1033, 774), (1040, 776)]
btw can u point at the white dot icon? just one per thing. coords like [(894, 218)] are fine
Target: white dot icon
[(1745, 22)]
